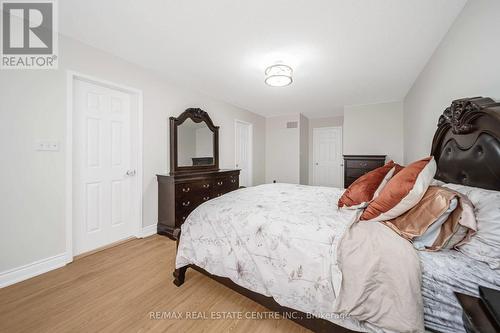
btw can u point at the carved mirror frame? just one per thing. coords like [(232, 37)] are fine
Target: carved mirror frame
[(197, 115)]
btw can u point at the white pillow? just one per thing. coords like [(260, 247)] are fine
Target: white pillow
[(432, 233), (485, 244), (436, 182)]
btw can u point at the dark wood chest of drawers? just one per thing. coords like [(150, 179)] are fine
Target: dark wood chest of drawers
[(357, 165), (180, 194)]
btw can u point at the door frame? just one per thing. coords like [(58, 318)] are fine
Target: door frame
[(137, 102), (250, 143), (341, 166)]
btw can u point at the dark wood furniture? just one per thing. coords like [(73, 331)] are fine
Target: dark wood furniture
[(186, 187), (475, 316), (356, 166), (180, 194), (466, 147), (203, 160), (304, 319), (197, 116)]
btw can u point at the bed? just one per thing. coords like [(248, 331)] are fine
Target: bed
[(446, 272), (294, 232)]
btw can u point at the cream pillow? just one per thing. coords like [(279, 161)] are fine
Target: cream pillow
[(432, 233), (485, 244)]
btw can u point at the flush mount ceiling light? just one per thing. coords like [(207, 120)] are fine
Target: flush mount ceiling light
[(278, 75)]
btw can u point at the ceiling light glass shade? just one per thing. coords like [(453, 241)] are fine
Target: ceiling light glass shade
[(278, 80), (278, 75)]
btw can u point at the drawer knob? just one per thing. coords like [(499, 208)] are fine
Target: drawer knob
[(183, 218), (219, 194), (186, 189), (233, 181), (363, 164), (206, 198), (186, 203), (220, 183), (206, 185)]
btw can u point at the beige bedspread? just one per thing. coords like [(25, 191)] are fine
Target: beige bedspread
[(383, 293)]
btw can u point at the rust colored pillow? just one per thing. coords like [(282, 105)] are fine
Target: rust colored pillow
[(398, 168), (363, 190), (402, 192)]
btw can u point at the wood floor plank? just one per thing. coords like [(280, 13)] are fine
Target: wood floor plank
[(116, 289)]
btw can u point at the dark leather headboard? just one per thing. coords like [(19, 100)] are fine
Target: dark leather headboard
[(466, 145)]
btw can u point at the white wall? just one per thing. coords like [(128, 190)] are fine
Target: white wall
[(282, 150), (33, 106), (304, 150), (374, 129), (466, 64), (204, 142), (186, 145), (317, 123)]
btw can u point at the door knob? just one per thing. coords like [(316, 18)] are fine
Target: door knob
[(130, 173)]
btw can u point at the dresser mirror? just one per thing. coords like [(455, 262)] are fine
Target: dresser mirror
[(194, 142)]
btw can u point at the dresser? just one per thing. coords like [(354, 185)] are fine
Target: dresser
[(194, 176), (180, 194), (357, 165)]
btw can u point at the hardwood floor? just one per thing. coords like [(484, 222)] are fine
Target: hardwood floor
[(117, 289)]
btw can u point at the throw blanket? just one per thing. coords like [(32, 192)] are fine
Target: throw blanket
[(282, 240), (381, 279)]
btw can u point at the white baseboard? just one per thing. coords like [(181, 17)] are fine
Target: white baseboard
[(30, 270), (25, 272), (148, 231)]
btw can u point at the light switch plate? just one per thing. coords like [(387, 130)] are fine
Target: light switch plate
[(46, 145)]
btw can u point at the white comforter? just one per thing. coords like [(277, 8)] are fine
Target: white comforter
[(279, 240)]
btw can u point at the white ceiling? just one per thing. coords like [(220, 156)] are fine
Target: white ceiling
[(343, 52)]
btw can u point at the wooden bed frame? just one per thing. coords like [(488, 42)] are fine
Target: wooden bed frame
[(466, 147)]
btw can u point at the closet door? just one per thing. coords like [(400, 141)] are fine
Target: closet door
[(103, 174), (243, 151), (327, 157)]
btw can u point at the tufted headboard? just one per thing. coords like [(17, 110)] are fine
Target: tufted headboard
[(466, 145)]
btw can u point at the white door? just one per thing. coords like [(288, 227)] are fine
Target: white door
[(327, 156), (103, 167), (243, 153)]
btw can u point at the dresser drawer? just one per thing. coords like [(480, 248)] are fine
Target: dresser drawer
[(188, 190), (190, 202), (184, 207), (348, 181), (356, 166), (356, 172), (221, 182), (225, 184), (180, 217), (363, 164), (235, 179)]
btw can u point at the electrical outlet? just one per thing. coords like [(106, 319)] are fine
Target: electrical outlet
[(46, 145)]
